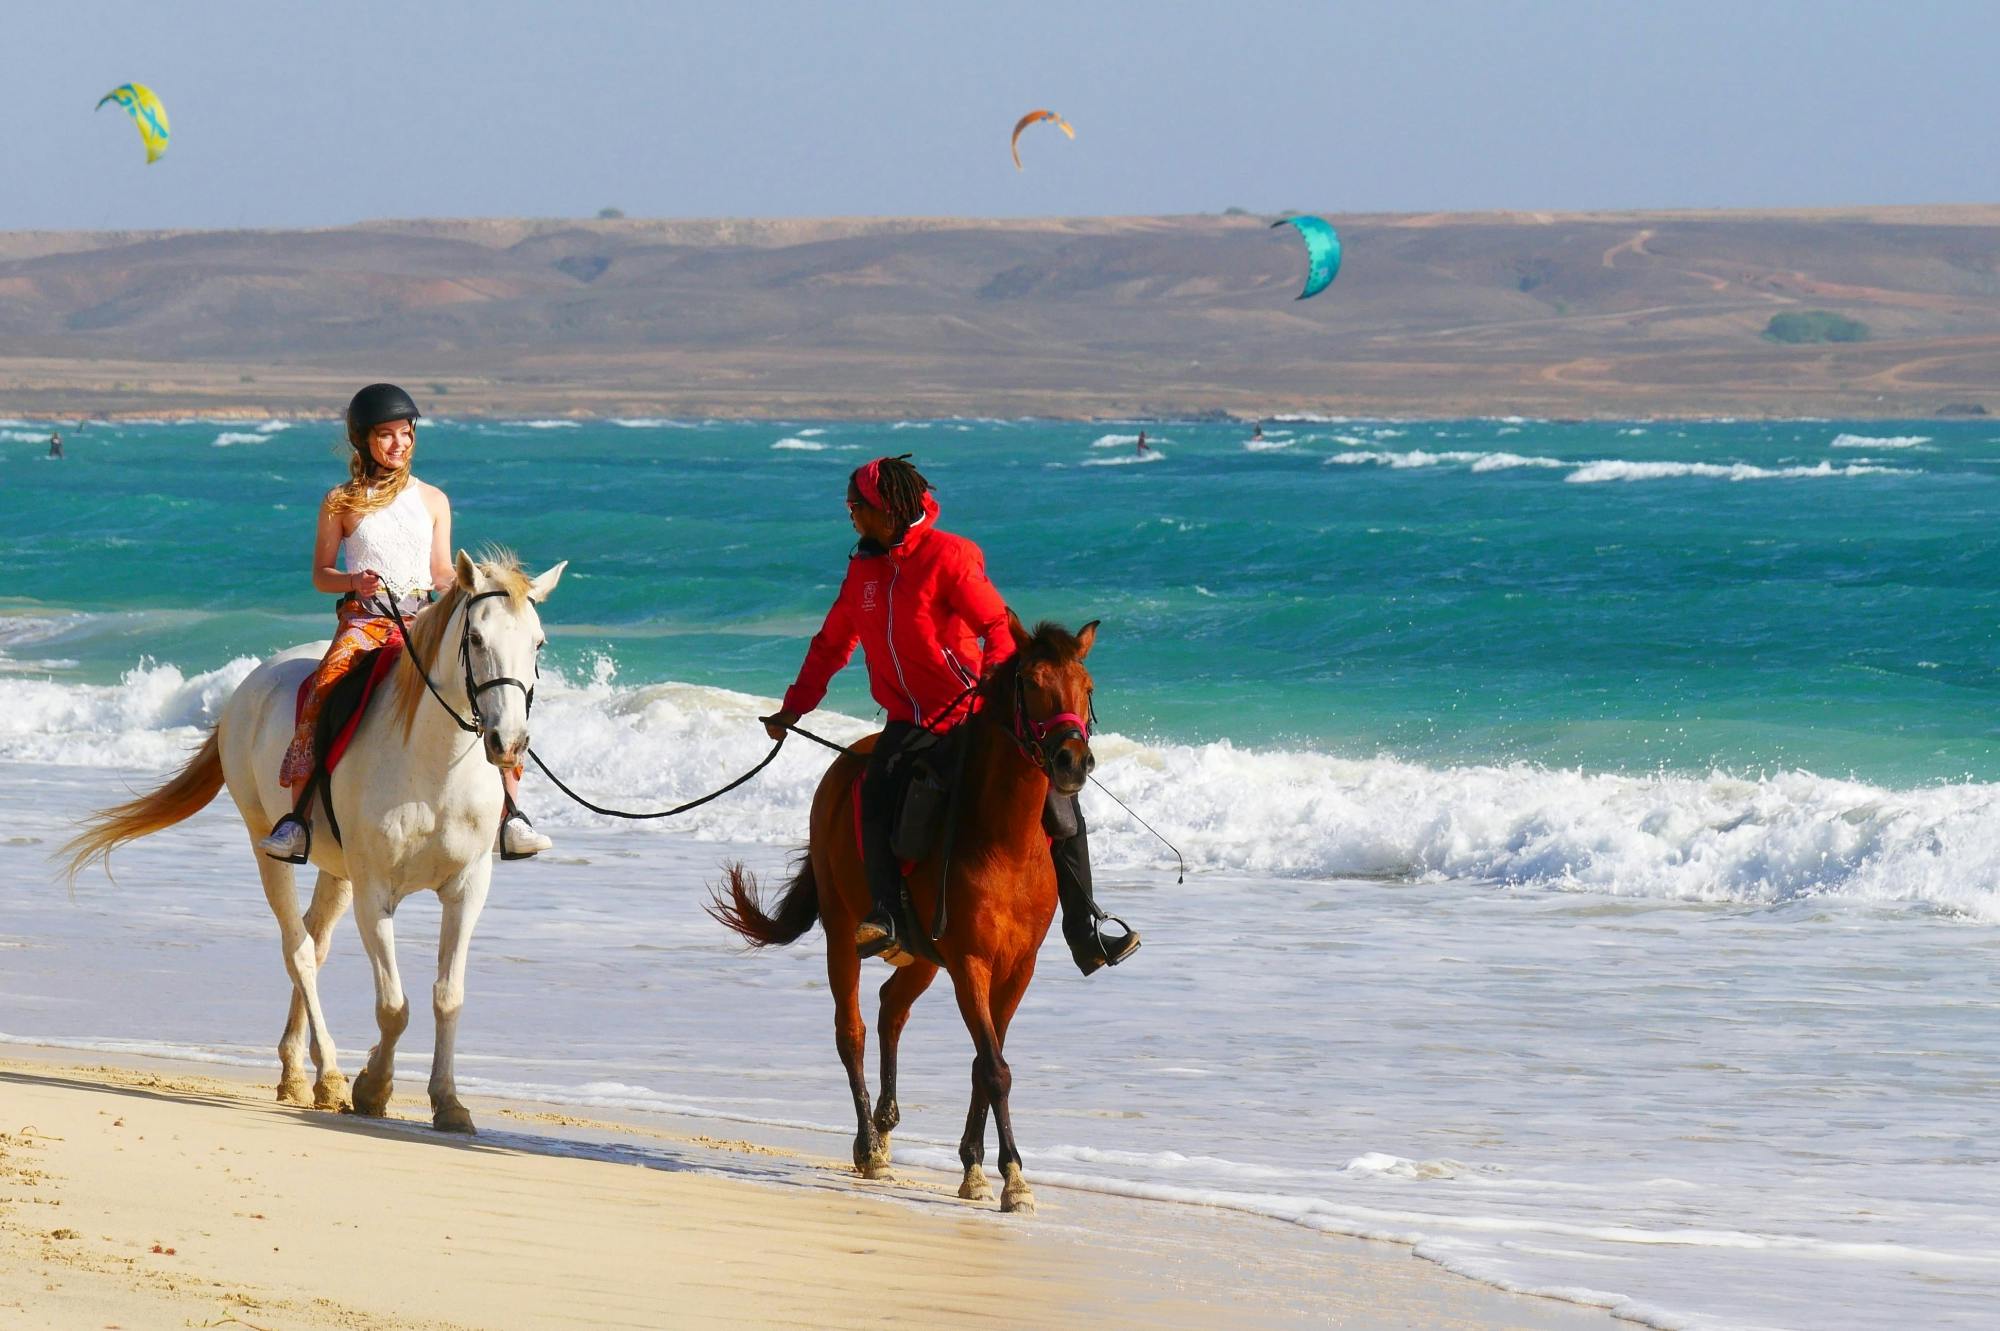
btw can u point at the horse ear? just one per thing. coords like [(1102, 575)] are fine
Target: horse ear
[(1021, 638), (1085, 636), (468, 573), (539, 589)]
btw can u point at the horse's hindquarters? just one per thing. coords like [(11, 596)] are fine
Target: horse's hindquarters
[(254, 730)]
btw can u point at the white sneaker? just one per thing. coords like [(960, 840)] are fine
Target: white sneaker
[(519, 839), (289, 841)]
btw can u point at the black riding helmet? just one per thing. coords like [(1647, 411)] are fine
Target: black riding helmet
[(375, 404)]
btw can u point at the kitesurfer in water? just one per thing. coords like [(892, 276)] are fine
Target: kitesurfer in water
[(1142, 444), (55, 443), (927, 647)]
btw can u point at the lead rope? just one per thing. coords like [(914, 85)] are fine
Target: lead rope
[(473, 727), (678, 808), (1148, 826)]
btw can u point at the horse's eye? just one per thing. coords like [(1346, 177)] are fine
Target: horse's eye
[(477, 639)]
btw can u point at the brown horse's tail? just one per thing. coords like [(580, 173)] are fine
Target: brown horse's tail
[(797, 910), (184, 794)]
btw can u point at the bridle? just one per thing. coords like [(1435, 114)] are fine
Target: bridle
[(472, 689), (1042, 740)]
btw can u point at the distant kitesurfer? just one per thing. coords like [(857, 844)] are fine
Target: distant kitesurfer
[(1142, 444), (1257, 435), (918, 602), (55, 444)]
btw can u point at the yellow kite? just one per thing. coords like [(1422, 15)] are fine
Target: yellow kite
[(146, 112), (1029, 119)]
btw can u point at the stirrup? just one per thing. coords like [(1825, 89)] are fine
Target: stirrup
[(881, 943), (305, 853), (1109, 951), (507, 854)]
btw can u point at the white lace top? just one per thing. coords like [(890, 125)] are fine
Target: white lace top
[(396, 543)]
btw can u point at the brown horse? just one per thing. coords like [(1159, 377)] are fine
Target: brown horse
[(1029, 734)]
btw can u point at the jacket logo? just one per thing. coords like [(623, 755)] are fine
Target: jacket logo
[(868, 590)]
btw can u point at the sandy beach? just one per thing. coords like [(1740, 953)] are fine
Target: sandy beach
[(137, 1193)]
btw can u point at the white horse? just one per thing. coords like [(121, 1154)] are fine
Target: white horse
[(417, 808)]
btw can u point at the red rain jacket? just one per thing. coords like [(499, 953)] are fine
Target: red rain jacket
[(918, 612)]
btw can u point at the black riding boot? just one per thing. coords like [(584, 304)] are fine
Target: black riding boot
[(877, 931), (1082, 920)]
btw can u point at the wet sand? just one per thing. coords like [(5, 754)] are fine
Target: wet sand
[(139, 1192)]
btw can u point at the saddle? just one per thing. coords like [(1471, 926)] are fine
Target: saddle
[(340, 715), (925, 777)]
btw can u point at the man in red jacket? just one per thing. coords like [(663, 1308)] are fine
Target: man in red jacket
[(931, 625)]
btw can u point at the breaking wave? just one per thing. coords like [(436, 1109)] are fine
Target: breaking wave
[(1708, 837)]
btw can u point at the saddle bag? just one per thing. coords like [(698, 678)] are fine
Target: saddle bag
[(926, 797), (925, 800)]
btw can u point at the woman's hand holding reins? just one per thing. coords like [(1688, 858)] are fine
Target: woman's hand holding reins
[(366, 583), (778, 722)]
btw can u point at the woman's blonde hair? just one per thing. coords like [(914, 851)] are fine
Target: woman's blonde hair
[(370, 487)]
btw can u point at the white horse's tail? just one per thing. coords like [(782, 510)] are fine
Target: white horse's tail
[(184, 794)]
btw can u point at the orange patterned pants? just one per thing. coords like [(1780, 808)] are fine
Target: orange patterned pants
[(358, 632)]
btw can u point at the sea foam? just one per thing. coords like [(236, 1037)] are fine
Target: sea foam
[(1880, 441), (1706, 836), (1593, 473)]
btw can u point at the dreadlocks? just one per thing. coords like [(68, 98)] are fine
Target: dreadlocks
[(901, 486)]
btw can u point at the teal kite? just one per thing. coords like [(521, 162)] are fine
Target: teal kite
[(146, 112), (1322, 251)]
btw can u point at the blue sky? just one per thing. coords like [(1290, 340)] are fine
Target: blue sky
[(295, 114)]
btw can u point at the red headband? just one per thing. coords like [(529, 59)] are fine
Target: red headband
[(867, 481)]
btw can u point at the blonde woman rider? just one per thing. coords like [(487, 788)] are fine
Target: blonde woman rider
[(392, 534)]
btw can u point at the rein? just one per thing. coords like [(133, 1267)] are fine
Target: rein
[(472, 691)]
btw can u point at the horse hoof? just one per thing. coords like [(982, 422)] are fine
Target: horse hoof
[(370, 1099), (453, 1118), (294, 1089), (331, 1093), (1015, 1197), (974, 1187), (875, 1166)]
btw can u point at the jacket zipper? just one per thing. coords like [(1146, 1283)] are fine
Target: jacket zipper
[(916, 712), (964, 676)]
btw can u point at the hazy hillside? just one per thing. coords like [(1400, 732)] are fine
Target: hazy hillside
[(1546, 313)]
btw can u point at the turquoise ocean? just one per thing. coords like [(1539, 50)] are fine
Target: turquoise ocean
[(1593, 829)]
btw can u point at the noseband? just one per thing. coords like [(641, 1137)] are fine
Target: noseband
[(1042, 740)]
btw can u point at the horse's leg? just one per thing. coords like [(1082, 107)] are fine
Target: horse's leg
[(1014, 1193), (991, 1075), (302, 962), (463, 900), (374, 914), (899, 993), (329, 903), (972, 1146), (850, 1036)]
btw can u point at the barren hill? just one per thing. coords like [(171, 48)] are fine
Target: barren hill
[(1554, 314)]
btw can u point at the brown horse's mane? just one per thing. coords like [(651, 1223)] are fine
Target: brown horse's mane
[(1050, 641)]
